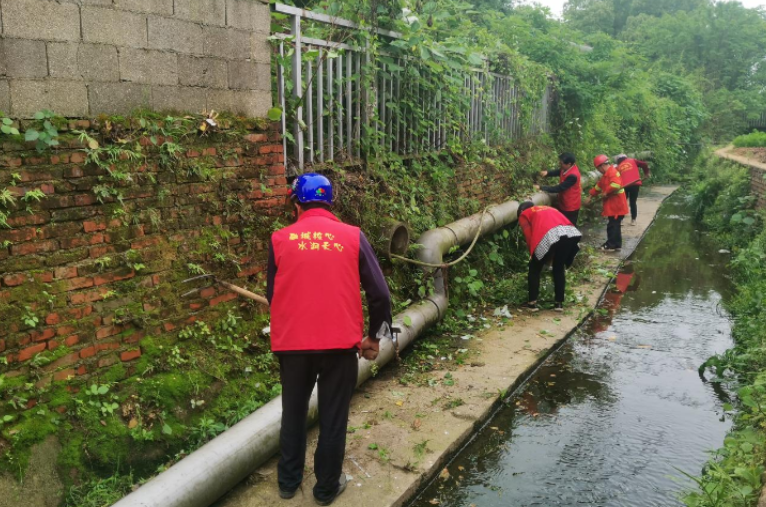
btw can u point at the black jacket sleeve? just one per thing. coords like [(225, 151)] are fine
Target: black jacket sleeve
[(271, 272), (568, 182), (553, 172), (375, 287)]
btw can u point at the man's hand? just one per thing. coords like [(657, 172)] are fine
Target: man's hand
[(370, 348), (543, 173), (536, 187), (588, 201)]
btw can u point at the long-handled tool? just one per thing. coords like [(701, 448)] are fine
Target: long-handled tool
[(239, 290)]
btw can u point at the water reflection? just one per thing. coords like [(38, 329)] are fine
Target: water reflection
[(611, 416)]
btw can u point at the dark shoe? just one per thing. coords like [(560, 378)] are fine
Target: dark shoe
[(530, 307), (341, 488), (286, 495), (606, 248), (559, 307)]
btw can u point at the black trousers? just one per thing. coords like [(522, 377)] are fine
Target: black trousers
[(563, 252), (336, 373), (614, 232), (571, 216), (631, 193)]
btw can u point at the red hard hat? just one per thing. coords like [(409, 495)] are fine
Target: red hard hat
[(600, 159)]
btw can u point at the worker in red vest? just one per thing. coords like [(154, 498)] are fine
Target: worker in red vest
[(609, 188), (568, 189), (550, 236), (314, 273), (631, 180)]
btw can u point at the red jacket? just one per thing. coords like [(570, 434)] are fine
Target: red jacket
[(536, 221), (316, 304), (610, 186), (571, 198), (628, 170)]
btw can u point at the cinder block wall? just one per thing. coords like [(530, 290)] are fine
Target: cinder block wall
[(81, 58)]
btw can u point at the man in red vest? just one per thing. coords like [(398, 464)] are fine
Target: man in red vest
[(631, 180), (549, 235), (315, 270), (609, 188), (569, 188)]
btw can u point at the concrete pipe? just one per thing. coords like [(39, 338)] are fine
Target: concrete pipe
[(208, 473)]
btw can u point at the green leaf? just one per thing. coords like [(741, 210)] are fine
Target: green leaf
[(166, 429), (5, 129), (103, 389), (39, 115), (407, 320), (7, 121), (748, 220), (31, 135)]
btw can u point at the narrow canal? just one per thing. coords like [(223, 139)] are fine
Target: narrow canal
[(612, 416)]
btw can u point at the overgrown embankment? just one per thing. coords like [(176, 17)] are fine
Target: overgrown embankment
[(102, 220), (725, 206)]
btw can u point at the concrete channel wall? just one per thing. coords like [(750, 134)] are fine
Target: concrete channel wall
[(81, 58)]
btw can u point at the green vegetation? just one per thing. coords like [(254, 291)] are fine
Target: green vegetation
[(732, 478), (716, 47), (754, 139), (662, 76)]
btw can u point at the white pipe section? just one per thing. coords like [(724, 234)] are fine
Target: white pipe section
[(208, 473)]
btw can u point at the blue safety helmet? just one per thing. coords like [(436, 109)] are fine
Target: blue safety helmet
[(312, 187)]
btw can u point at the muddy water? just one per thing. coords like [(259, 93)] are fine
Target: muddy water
[(610, 418)]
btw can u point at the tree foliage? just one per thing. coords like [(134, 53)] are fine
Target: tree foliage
[(719, 47)]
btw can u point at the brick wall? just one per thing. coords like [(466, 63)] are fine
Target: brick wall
[(99, 276), (758, 186), (84, 58)]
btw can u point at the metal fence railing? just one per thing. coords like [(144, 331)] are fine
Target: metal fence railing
[(338, 109), (759, 123)]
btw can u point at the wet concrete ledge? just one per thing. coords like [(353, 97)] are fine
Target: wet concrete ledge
[(404, 435)]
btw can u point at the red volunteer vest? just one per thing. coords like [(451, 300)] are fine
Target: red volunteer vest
[(615, 204), (628, 170), (536, 221), (570, 199), (317, 304)]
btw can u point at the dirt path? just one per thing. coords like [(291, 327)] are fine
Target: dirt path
[(406, 433), (740, 158)]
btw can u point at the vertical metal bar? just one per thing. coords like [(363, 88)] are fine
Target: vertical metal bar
[(390, 100), (310, 108), (410, 114), (349, 110), (513, 110), (366, 94), (516, 116), (297, 89), (339, 103), (320, 106), (398, 99), (485, 104), (281, 87), (330, 124), (358, 126), (421, 116), (473, 106), (382, 99), (506, 107)]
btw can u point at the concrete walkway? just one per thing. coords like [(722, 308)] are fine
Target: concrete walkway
[(403, 435)]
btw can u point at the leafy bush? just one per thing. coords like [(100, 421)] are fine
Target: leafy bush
[(732, 478), (754, 139)]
